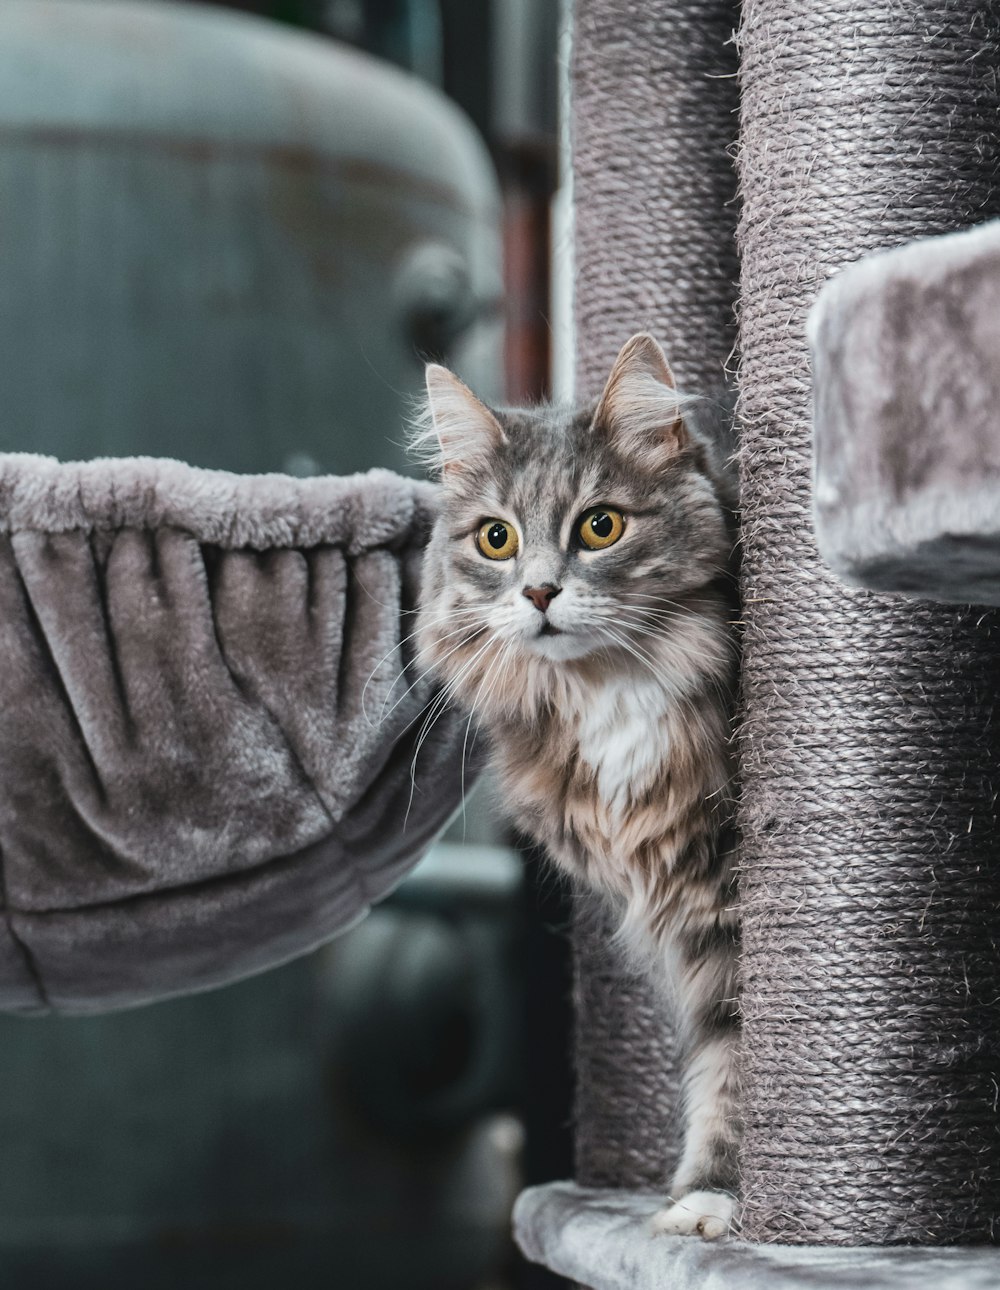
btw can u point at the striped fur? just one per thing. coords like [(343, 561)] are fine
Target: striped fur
[(609, 711)]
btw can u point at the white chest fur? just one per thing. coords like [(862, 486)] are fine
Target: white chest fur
[(624, 737)]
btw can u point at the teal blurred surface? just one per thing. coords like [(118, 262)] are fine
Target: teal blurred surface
[(226, 241)]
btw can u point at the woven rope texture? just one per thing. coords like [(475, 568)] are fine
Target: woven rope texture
[(870, 746), (653, 117)]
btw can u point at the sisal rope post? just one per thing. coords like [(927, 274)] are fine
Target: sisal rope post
[(653, 119), (870, 745)]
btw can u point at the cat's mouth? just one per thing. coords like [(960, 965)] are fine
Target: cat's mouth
[(549, 630)]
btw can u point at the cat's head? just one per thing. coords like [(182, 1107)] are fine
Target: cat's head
[(568, 539)]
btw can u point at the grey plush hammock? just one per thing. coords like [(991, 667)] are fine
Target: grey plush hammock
[(206, 730)]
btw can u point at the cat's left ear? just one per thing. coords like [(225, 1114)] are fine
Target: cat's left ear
[(640, 410), (466, 429)]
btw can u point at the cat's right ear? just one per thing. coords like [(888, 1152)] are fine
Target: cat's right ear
[(466, 430), (640, 409)]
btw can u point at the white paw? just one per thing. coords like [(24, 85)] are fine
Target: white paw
[(702, 1213)]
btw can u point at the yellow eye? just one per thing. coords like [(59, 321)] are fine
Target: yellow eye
[(496, 540), (600, 528)]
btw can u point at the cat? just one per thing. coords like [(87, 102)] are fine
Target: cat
[(578, 600)]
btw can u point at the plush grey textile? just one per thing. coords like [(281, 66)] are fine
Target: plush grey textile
[(601, 1240), (906, 396), (205, 731)]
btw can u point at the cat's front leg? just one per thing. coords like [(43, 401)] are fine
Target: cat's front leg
[(703, 1190)]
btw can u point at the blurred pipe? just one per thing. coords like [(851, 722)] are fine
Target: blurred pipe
[(528, 188), (524, 129)]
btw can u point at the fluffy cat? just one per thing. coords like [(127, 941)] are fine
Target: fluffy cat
[(578, 602)]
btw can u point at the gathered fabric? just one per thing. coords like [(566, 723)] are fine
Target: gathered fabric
[(209, 722)]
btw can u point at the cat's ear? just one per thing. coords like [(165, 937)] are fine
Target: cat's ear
[(640, 410), (466, 430)]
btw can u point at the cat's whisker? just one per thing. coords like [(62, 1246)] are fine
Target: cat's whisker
[(398, 646), (468, 724), (696, 657), (648, 597), (444, 695), (630, 648), (429, 620), (693, 654), (651, 598), (500, 684), (698, 654), (437, 710), (694, 715), (677, 694), (512, 658), (430, 711), (433, 708), (466, 629), (487, 673), (439, 705), (666, 619), (653, 611), (422, 711), (502, 653), (385, 714), (471, 636), (658, 623)]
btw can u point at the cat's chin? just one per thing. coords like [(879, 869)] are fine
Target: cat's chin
[(559, 647)]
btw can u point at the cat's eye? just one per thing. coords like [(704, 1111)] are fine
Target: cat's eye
[(600, 527), (496, 540)]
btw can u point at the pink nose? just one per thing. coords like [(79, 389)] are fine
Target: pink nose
[(543, 596)]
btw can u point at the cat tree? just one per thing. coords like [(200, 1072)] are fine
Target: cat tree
[(868, 739), (867, 736)]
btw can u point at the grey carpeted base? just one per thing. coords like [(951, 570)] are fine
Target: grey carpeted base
[(601, 1240)]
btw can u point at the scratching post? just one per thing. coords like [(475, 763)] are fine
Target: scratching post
[(653, 113), (871, 881)]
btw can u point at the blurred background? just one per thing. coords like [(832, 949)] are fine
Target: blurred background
[(233, 235)]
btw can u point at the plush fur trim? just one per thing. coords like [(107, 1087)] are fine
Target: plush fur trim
[(356, 512), (212, 750)]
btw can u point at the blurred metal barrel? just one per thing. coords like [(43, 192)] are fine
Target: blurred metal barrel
[(229, 242)]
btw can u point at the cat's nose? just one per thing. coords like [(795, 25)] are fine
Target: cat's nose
[(543, 596)]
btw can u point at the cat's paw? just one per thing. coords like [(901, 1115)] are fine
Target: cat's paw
[(700, 1213)]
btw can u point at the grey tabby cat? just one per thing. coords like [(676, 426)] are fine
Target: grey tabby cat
[(578, 600)]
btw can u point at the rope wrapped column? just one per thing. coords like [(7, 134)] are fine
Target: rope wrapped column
[(653, 120), (870, 745)]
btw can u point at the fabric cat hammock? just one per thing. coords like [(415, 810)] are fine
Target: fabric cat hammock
[(212, 750)]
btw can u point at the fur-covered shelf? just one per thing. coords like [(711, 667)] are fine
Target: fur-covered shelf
[(906, 419), (601, 1240)]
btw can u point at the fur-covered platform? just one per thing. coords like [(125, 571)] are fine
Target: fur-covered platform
[(601, 1240), (907, 452)]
